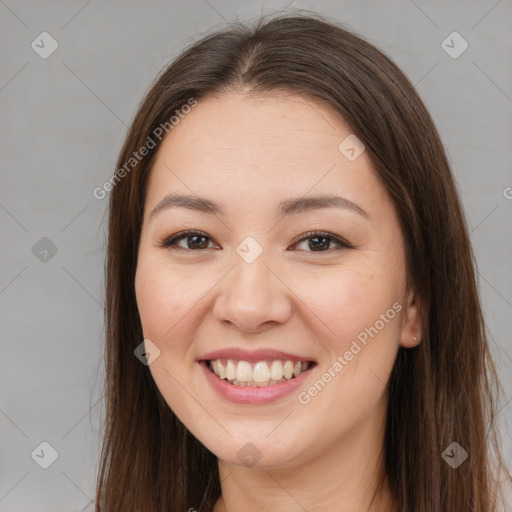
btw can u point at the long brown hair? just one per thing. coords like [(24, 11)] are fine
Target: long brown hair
[(442, 391)]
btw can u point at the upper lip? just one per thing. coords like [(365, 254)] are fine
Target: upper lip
[(262, 354)]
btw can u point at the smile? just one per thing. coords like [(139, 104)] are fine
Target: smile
[(261, 376), (257, 374)]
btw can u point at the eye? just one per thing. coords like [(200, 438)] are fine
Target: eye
[(319, 241), (195, 240)]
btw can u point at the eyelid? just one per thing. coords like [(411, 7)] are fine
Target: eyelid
[(170, 242), (335, 238)]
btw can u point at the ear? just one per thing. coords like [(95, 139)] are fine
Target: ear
[(412, 322)]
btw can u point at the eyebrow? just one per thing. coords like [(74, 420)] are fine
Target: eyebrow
[(286, 207)]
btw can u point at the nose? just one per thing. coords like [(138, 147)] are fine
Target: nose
[(253, 297)]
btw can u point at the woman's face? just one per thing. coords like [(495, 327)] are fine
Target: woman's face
[(256, 293)]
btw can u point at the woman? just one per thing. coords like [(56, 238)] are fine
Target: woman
[(292, 316)]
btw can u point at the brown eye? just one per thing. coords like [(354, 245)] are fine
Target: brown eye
[(194, 240), (319, 241)]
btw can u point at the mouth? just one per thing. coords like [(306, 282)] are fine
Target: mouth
[(257, 374)]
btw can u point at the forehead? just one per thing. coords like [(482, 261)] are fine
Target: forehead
[(260, 148), (266, 125)]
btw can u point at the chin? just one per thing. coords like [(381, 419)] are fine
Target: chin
[(257, 451)]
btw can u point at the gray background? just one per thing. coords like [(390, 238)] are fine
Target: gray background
[(62, 124)]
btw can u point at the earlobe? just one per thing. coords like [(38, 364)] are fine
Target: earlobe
[(412, 324)]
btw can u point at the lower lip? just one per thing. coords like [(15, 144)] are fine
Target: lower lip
[(250, 394)]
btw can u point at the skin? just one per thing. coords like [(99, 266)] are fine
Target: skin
[(248, 153)]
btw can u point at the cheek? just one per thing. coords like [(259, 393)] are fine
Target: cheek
[(163, 308), (161, 300), (171, 301), (347, 300), (355, 315)]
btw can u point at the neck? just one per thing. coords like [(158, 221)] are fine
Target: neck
[(347, 477)]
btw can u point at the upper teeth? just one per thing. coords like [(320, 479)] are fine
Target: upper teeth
[(259, 374)]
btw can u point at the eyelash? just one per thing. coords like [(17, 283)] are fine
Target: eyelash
[(171, 242)]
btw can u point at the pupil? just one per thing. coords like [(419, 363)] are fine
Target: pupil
[(315, 246), (194, 238)]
